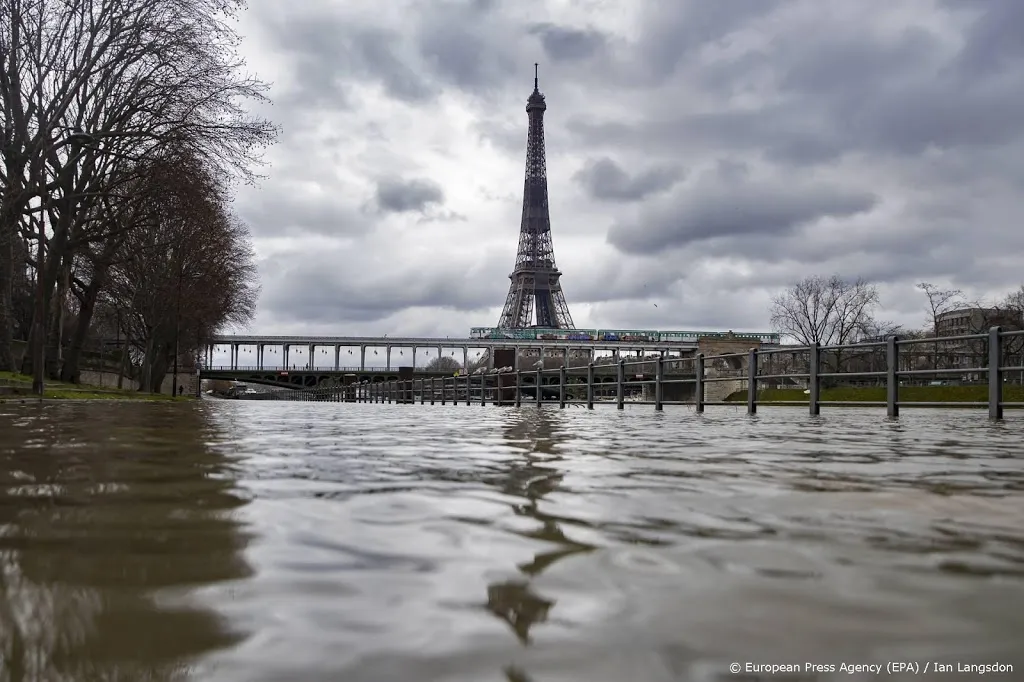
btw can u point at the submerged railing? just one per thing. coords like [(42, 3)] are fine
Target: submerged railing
[(893, 363)]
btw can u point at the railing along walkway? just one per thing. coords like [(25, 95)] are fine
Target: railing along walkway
[(577, 385)]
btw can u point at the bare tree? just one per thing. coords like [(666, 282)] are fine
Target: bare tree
[(444, 363), (940, 302), (1008, 314), (184, 273), (139, 77), (829, 311)]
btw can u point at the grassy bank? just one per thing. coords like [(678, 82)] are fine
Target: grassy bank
[(19, 387), (931, 394)]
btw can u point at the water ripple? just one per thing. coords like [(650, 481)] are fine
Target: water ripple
[(380, 542)]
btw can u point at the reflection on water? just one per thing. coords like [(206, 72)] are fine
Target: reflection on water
[(107, 518), (320, 541), (532, 478)]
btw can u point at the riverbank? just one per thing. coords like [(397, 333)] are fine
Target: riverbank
[(16, 387), (853, 394)]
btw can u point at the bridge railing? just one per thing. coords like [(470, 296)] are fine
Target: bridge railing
[(976, 370)]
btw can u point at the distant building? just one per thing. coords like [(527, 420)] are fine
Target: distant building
[(965, 321), (967, 353)]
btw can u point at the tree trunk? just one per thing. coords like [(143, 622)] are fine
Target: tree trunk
[(146, 373), (158, 370), (124, 362), (71, 371), (7, 361)]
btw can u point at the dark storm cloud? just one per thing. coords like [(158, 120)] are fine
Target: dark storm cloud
[(330, 53), (344, 284), (716, 207), (674, 31), (567, 44), (395, 195), (291, 213), (994, 39), (846, 90), (605, 180), (883, 141)]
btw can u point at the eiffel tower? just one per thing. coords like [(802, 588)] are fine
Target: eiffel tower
[(535, 280)]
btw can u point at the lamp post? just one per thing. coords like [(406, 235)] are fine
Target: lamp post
[(78, 141)]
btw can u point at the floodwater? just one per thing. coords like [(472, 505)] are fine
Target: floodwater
[(258, 541)]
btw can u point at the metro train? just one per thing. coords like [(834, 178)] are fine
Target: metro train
[(621, 335)]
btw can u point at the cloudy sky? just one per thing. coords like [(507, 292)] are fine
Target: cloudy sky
[(701, 156)]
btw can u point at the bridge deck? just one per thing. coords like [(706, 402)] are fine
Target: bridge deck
[(428, 342)]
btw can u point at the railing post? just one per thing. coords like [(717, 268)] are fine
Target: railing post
[(483, 389), (561, 387), (892, 377), (433, 389), (813, 382), (519, 386), (620, 385), (995, 375), (423, 391), (698, 385), (590, 386), (499, 390), (752, 382), (444, 387), (540, 377), (659, 369)]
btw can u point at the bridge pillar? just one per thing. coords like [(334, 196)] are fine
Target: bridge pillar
[(259, 356), (234, 356), (465, 360), (387, 355), (337, 357), (362, 358), (310, 355), (565, 357), (414, 348), (284, 356)]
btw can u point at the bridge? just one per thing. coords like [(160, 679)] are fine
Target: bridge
[(517, 354), (544, 348), (287, 377)]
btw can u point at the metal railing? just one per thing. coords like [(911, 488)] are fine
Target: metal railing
[(892, 364)]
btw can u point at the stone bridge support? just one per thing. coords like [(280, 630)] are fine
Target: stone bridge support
[(733, 366)]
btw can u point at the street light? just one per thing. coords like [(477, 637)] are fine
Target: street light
[(79, 141)]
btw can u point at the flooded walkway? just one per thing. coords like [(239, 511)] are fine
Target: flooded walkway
[(259, 541)]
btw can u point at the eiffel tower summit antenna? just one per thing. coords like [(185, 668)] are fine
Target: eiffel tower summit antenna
[(536, 288)]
